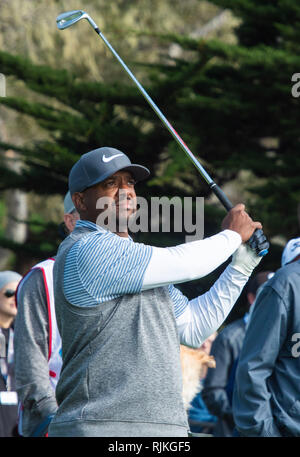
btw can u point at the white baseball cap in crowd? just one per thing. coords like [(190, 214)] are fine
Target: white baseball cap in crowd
[(291, 250)]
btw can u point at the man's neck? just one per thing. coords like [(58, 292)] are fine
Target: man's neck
[(6, 321), (122, 234)]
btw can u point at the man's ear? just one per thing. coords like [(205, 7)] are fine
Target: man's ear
[(79, 202), (68, 222)]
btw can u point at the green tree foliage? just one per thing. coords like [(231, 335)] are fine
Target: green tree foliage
[(71, 115), (235, 102), (231, 103)]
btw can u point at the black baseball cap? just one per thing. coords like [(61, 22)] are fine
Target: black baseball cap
[(97, 165)]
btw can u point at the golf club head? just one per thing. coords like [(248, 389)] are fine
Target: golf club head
[(69, 18)]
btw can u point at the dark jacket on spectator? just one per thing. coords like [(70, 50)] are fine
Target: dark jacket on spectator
[(266, 400), (8, 411), (218, 384)]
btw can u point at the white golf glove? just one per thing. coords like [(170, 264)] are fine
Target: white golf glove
[(245, 260)]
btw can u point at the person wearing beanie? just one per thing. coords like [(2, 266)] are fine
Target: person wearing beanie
[(37, 367), (266, 394), (119, 315), (8, 397)]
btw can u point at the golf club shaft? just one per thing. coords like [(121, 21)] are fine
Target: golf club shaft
[(258, 241), (214, 187)]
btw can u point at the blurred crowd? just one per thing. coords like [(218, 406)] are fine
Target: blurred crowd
[(253, 390)]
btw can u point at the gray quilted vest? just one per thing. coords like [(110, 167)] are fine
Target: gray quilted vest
[(121, 373)]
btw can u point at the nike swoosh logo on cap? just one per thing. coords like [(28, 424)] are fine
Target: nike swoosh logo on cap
[(108, 159)]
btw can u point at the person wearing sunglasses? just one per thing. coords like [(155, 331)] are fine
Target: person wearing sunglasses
[(8, 397)]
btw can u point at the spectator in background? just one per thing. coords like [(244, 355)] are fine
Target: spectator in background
[(200, 419), (8, 396), (266, 399), (38, 366), (219, 382)]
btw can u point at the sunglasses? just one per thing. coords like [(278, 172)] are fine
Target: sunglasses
[(9, 293)]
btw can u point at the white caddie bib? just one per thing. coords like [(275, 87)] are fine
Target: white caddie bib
[(54, 353), (54, 357)]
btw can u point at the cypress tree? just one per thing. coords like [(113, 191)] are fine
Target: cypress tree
[(231, 103)]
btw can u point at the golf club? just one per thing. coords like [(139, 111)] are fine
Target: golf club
[(258, 241)]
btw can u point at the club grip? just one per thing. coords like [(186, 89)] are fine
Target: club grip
[(221, 196), (259, 243)]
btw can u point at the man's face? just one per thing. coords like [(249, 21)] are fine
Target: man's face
[(8, 306), (116, 193)]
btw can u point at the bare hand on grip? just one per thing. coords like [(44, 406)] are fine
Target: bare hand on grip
[(239, 221)]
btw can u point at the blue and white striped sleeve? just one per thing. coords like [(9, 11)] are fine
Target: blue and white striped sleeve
[(102, 267), (180, 301)]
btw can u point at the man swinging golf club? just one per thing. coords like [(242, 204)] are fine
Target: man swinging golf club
[(119, 315)]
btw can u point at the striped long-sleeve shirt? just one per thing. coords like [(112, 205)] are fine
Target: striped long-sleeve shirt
[(102, 266)]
